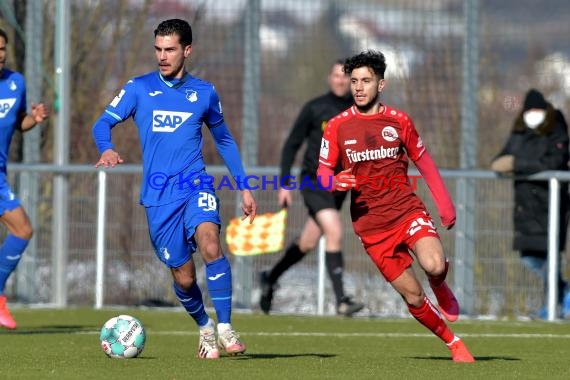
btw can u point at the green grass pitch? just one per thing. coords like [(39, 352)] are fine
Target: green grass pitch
[(64, 344)]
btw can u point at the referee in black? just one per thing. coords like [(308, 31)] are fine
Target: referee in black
[(323, 207)]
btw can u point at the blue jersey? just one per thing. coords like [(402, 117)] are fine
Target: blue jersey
[(169, 117), (12, 106)]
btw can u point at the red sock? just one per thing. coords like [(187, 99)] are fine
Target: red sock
[(428, 316), (436, 281)]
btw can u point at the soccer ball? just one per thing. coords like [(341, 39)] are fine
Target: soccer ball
[(122, 337)]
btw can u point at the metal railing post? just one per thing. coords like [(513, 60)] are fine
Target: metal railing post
[(553, 246), (321, 277), (101, 210)]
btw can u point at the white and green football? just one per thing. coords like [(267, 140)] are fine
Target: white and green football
[(122, 337)]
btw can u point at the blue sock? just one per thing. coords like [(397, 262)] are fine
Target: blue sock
[(219, 280), (193, 303), (10, 255)]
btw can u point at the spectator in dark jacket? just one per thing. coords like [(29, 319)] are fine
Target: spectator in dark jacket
[(538, 142)]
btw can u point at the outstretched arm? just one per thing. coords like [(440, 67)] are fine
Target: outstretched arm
[(294, 141), (248, 205), (102, 135), (120, 109), (38, 115), (328, 160), (109, 158), (439, 193), (228, 150), (422, 159), (342, 181)]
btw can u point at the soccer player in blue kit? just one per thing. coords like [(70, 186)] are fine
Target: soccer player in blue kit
[(13, 116), (169, 107)]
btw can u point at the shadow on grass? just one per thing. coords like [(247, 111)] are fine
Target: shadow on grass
[(477, 358), (281, 356)]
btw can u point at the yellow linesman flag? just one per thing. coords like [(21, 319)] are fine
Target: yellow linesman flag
[(265, 235)]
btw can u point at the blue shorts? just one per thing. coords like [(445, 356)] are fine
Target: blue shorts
[(8, 200), (172, 226)]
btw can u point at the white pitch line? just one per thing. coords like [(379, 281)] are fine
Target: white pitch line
[(374, 335), (350, 335)]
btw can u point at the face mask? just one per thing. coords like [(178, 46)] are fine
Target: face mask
[(533, 119)]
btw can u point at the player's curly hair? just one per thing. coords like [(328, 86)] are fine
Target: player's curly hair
[(373, 59), (175, 26)]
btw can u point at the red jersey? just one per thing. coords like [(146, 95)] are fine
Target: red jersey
[(377, 148)]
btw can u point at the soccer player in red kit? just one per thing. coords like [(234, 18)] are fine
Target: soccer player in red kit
[(373, 142)]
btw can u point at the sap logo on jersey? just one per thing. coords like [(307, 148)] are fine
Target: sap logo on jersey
[(168, 121), (5, 106)]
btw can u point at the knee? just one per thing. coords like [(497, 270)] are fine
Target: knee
[(334, 240), (434, 266), (414, 298), (211, 250), (25, 232), (185, 282), (333, 231), (306, 246)]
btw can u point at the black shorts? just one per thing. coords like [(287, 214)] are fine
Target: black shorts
[(317, 199)]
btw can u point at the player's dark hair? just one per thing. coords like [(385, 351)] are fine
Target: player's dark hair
[(3, 34), (339, 61), (175, 26), (372, 59)]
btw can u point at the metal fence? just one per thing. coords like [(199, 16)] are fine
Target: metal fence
[(459, 68), (132, 275)]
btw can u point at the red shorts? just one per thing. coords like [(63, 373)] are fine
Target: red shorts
[(389, 249)]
